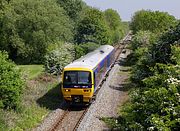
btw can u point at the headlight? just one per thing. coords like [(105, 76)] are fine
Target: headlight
[(67, 90), (87, 90)]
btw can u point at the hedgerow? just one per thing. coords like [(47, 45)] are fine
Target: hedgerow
[(11, 84)]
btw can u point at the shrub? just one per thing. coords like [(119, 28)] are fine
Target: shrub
[(11, 84), (58, 56)]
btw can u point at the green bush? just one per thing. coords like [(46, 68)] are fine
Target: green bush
[(83, 49), (11, 84), (58, 56)]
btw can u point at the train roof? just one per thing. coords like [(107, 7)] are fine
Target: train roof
[(92, 59)]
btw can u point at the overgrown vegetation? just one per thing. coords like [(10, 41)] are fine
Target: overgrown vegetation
[(29, 27), (115, 24), (155, 101), (11, 83)]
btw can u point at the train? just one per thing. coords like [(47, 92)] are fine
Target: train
[(82, 78)]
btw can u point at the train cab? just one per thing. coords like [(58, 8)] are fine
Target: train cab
[(78, 85), (81, 78)]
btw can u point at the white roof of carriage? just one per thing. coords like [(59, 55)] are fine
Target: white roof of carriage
[(91, 59)]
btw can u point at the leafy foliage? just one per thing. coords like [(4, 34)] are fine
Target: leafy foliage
[(161, 51), (115, 24), (141, 56), (73, 8), (27, 27), (113, 18), (156, 106), (60, 54), (11, 84), (154, 21), (158, 52), (155, 102), (93, 28)]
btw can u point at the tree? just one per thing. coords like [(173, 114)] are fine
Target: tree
[(83, 49), (27, 27), (73, 8), (113, 19), (162, 51), (114, 22), (93, 28), (154, 21)]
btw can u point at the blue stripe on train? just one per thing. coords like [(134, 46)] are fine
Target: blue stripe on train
[(109, 61)]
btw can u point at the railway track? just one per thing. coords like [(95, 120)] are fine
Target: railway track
[(72, 116), (70, 119)]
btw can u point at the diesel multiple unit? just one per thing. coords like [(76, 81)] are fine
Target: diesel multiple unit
[(81, 78)]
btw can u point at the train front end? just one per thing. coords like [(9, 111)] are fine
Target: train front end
[(77, 85)]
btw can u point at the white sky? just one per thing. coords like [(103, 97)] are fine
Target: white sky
[(126, 8)]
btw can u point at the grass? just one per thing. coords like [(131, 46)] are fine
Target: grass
[(41, 96), (3, 125), (31, 71), (110, 122)]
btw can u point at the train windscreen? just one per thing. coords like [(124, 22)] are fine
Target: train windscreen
[(77, 78)]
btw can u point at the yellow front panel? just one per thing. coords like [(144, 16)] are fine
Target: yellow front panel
[(86, 92)]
